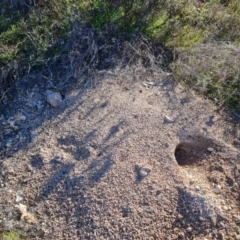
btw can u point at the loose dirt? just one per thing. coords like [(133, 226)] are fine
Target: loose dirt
[(109, 164)]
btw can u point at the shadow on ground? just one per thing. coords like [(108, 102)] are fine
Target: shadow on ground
[(194, 216)]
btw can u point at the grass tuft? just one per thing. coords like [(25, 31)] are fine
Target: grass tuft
[(33, 32), (11, 236)]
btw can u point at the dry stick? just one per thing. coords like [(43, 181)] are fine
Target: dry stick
[(4, 94)]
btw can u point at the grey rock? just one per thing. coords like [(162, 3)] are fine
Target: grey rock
[(8, 144), (39, 106), (11, 123), (236, 115), (237, 219), (210, 149), (107, 60), (18, 198), (168, 119), (221, 236), (151, 83), (237, 237), (143, 172), (23, 118), (197, 188), (54, 98), (225, 208), (236, 142)]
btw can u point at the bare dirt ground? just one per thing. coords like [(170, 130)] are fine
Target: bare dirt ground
[(128, 156)]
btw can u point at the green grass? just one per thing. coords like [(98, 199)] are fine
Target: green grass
[(11, 236), (30, 36)]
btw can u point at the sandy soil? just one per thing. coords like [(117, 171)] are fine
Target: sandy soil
[(130, 156)]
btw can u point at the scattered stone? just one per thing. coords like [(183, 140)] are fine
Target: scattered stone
[(33, 136), (16, 128), (18, 198), (197, 188), (23, 118), (54, 98), (221, 161), (221, 236), (236, 142), (29, 168), (2, 118), (237, 237), (236, 115), (179, 216), (8, 144), (28, 217), (39, 105), (107, 60), (221, 224), (189, 229), (11, 123), (150, 83), (10, 170), (8, 225), (168, 119), (225, 208), (210, 149), (214, 220), (237, 219), (181, 235), (218, 187), (143, 172)]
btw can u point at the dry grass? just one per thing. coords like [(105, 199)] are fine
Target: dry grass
[(212, 69), (35, 33)]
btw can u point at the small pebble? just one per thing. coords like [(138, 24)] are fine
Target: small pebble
[(107, 60), (143, 172), (237, 237), (225, 208), (221, 224), (54, 98), (9, 144), (181, 235), (237, 219), (197, 188), (221, 236), (179, 216), (168, 119), (218, 187), (39, 106), (189, 229), (210, 149), (11, 123), (18, 198), (23, 118)]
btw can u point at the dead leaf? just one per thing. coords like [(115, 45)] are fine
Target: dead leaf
[(28, 217)]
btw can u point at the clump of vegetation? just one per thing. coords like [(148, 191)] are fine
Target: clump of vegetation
[(11, 236), (204, 34), (213, 69)]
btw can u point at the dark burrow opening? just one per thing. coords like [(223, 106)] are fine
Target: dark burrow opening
[(189, 153)]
